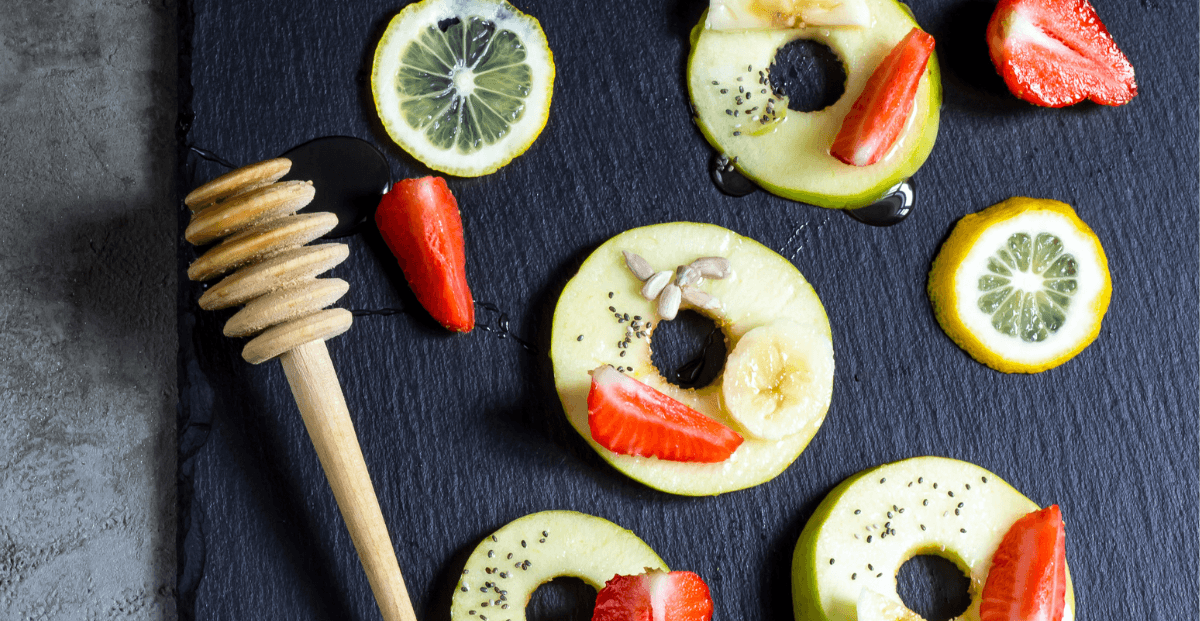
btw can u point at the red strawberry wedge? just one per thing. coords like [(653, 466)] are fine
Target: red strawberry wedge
[(1028, 578), (654, 596), (880, 112), (1056, 53), (420, 223), (631, 418)]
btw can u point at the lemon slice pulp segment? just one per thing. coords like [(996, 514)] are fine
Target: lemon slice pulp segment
[(464, 86), (1022, 286)]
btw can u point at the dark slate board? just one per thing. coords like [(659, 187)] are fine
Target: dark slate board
[(463, 434)]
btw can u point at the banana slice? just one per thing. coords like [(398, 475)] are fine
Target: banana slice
[(778, 380), (782, 14)]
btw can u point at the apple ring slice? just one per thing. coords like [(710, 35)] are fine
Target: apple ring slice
[(510, 564), (876, 520), (788, 152), (605, 316)]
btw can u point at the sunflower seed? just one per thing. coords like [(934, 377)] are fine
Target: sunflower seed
[(654, 285), (713, 267), (668, 302), (639, 266), (686, 275), (700, 299)]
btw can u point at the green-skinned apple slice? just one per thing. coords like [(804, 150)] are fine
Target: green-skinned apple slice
[(763, 289), (788, 152), (876, 520), (504, 570), (754, 14)]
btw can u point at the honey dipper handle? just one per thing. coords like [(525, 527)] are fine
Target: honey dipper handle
[(323, 407)]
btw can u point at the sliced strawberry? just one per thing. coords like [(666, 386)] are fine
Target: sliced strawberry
[(631, 418), (1028, 578), (420, 223), (1057, 53), (654, 596), (624, 598), (880, 112)]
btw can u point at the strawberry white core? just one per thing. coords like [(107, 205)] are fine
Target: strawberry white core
[(660, 590)]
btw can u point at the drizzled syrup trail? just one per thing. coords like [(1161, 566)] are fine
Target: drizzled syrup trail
[(891, 209), (351, 173), (210, 156), (501, 328), (690, 373), (379, 312), (887, 211), (727, 179)]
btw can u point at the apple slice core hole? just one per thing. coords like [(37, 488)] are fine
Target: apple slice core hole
[(689, 351), (933, 587), (809, 73), (561, 599)]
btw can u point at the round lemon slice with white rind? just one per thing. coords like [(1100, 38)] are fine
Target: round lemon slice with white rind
[(464, 86), (1022, 286)]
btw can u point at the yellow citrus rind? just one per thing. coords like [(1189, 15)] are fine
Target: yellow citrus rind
[(403, 28), (950, 306)]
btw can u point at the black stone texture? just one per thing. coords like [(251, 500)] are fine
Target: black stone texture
[(465, 433)]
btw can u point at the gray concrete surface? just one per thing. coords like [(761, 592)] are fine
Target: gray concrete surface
[(87, 309)]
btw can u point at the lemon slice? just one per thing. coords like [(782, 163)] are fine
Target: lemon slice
[(1021, 286), (463, 85)]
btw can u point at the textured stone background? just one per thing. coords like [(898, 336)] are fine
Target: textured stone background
[(87, 315)]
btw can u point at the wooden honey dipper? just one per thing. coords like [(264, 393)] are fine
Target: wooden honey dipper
[(255, 214)]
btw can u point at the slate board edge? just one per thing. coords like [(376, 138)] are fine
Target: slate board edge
[(191, 417), (190, 436)]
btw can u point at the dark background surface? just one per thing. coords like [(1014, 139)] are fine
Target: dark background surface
[(465, 433)]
